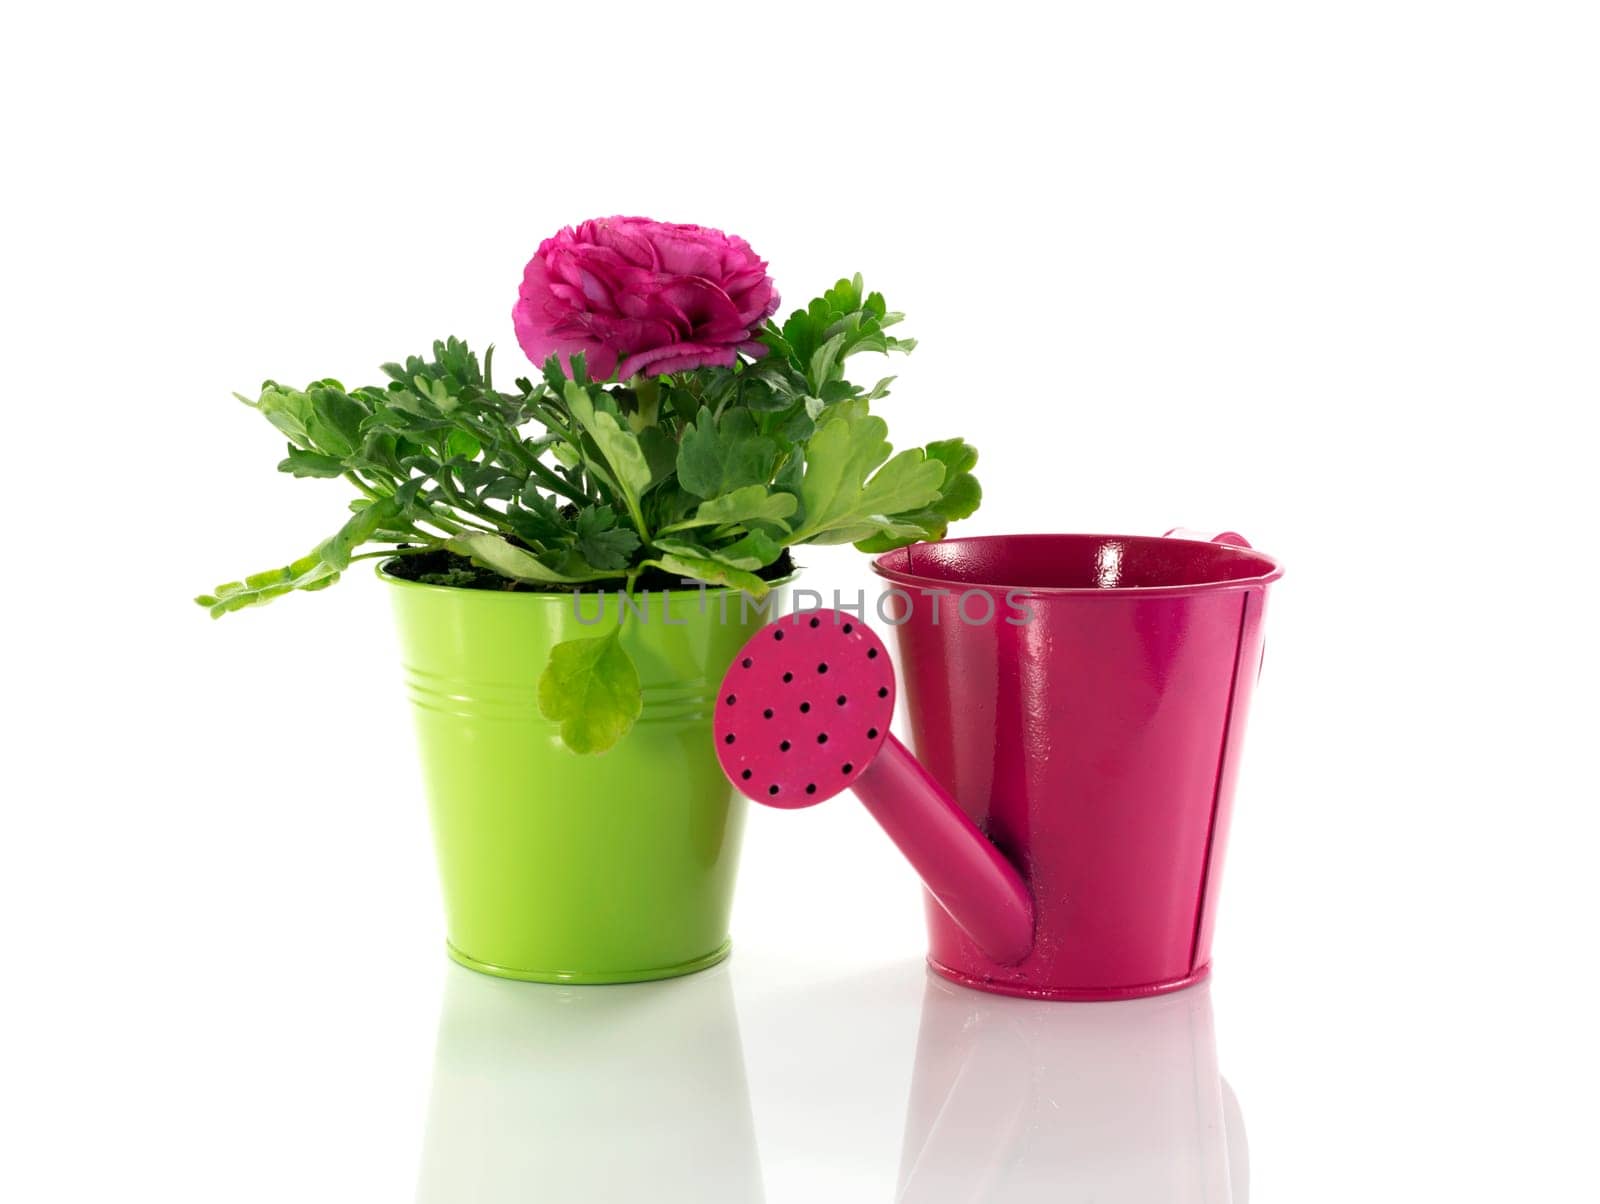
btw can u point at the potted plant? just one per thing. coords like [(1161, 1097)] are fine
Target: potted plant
[(574, 561)]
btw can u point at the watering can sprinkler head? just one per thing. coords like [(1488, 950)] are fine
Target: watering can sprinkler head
[(804, 713)]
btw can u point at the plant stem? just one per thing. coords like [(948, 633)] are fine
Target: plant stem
[(362, 485), (391, 552), (545, 415), (637, 511), (444, 524)]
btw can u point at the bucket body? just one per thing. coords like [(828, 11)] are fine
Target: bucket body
[(557, 867), (1083, 698)]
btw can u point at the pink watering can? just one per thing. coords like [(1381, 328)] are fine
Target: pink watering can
[(1078, 703)]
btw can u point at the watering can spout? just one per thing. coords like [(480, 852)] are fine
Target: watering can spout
[(804, 713), (971, 879)]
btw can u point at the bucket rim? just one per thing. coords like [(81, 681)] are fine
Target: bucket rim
[(1271, 569), (532, 596)]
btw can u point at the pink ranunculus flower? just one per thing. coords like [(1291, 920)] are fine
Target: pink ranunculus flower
[(635, 295)]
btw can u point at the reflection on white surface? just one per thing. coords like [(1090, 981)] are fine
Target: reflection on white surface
[(1118, 1103), (633, 1092)]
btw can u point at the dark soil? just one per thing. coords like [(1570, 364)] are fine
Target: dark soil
[(440, 567)]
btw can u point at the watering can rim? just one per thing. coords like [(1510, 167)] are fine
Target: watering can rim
[(1271, 568)]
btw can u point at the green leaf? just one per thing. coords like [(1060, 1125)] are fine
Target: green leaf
[(815, 341), (462, 443), (745, 504), (316, 570), (673, 505), (538, 522), (959, 496), (501, 489), (660, 452), (754, 551), (407, 401), (823, 362), (591, 688), (801, 425), (702, 568), (601, 542), (360, 528), (287, 409), (957, 455), (491, 551), (839, 457), (757, 394), (897, 532), (904, 483), (836, 492), (309, 572), (335, 424), (310, 464), (618, 445), (715, 458), (783, 383)]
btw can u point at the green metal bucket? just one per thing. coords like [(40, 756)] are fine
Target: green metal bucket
[(557, 867)]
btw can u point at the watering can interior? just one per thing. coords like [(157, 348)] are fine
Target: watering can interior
[(1076, 562)]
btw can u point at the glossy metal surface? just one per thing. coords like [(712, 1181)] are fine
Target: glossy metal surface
[(1092, 731), (557, 867), (804, 707), (804, 713), (975, 886)]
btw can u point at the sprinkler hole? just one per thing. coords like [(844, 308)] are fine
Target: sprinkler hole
[(883, 691), (787, 678), (823, 667), (816, 622), (728, 739), (872, 654), (849, 627), (745, 775), (805, 708), (747, 662), (811, 787), (840, 701), (822, 737), (767, 714), (845, 768), (784, 747), (872, 733), (772, 790)]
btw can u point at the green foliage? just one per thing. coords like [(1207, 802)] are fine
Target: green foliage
[(563, 481), (818, 339), (591, 689), (719, 456)]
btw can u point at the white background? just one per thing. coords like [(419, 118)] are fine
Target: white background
[(1326, 274)]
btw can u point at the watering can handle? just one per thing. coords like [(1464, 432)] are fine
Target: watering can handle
[(1231, 538)]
